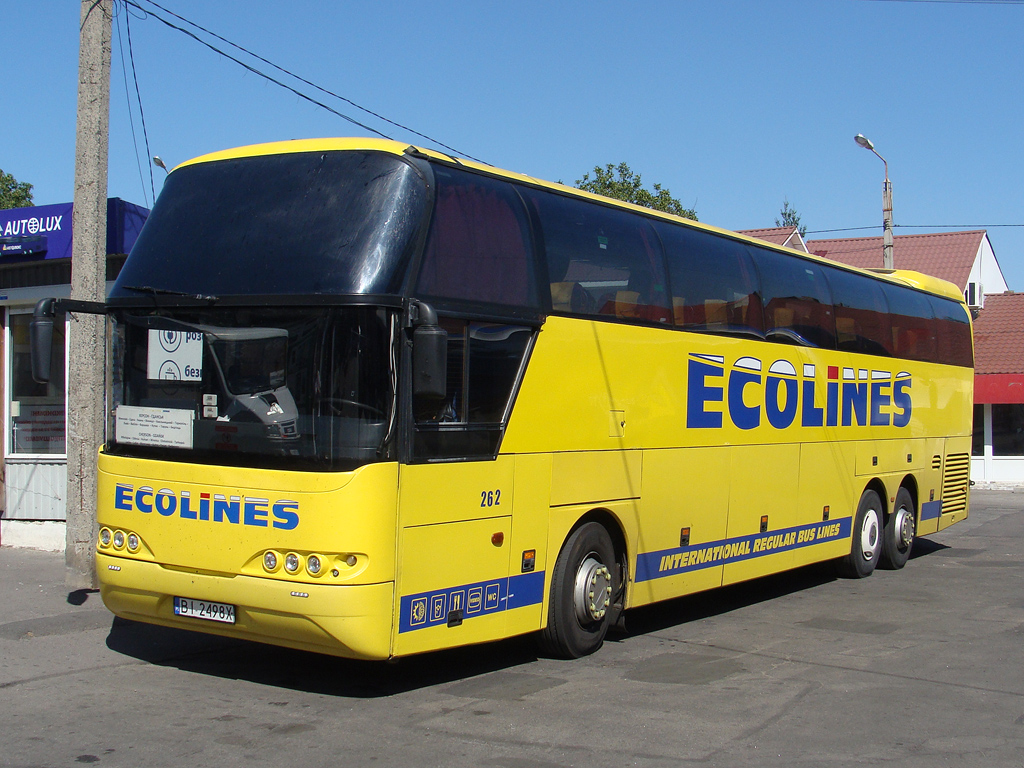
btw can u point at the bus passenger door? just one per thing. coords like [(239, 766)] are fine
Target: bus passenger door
[(454, 538), (762, 510)]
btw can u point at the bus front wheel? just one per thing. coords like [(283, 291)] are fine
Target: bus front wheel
[(866, 547), (582, 589), (898, 534)]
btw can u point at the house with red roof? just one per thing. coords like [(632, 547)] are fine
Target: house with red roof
[(788, 237), (967, 260)]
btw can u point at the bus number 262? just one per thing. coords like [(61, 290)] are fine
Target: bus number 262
[(490, 498)]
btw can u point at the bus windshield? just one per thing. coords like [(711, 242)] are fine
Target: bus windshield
[(304, 389), (302, 223)]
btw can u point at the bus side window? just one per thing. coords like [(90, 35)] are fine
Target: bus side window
[(479, 247), (953, 332), (601, 261), (862, 314), (714, 284), (797, 300), (913, 324), (484, 362)]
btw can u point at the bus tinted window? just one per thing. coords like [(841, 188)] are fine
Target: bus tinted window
[(484, 360), (862, 315), (479, 246), (300, 223), (601, 261), (913, 325), (714, 284), (796, 298), (953, 332)]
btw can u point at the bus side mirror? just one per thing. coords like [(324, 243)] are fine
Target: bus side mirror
[(40, 331), (429, 354)]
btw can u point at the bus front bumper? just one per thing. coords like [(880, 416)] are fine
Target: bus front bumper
[(353, 621)]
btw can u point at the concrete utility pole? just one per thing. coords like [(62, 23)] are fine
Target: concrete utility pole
[(887, 262), (87, 334)]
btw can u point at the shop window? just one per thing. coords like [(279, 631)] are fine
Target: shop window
[(978, 437), (1008, 430), (37, 411)]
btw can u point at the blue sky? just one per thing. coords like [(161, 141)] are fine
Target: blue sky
[(732, 105)]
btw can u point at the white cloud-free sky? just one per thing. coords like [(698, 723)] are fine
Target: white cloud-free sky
[(733, 105)]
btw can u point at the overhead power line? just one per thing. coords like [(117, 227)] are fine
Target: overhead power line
[(287, 72), (918, 226)]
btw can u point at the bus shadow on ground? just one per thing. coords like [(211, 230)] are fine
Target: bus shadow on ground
[(312, 672), (328, 675)]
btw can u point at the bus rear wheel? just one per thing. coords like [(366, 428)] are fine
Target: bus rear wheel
[(866, 547), (582, 588), (898, 534)]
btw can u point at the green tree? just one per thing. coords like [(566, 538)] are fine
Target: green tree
[(14, 193), (622, 183), (790, 218)]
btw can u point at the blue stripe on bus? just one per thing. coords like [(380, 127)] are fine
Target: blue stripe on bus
[(669, 562), (431, 609), (931, 509)]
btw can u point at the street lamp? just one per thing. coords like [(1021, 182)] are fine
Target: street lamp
[(160, 163), (887, 262)]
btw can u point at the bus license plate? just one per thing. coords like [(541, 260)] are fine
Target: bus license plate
[(204, 609)]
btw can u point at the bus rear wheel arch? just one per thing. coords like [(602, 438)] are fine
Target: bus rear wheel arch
[(899, 531), (585, 585), (866, 539)]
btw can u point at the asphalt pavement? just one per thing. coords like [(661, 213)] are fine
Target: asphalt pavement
[(919, 667)]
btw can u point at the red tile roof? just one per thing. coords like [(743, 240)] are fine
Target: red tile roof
[(947, 255), (775, 235), (999, 335)]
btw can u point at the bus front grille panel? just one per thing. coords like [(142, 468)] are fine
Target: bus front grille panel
[(954, 483)]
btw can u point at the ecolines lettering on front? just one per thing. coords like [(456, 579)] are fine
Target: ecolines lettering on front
[(747, 393), (282, 514)]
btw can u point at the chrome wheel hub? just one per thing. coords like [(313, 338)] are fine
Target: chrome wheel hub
[(904, 528), (869, 534), (593, 591)]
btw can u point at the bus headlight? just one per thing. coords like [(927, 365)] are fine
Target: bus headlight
[(133, 542), (291, 562), (314, 564), (118, 539), (270, 561), (105, 537)]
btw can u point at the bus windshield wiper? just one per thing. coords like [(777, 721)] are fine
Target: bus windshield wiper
[(168, 292)]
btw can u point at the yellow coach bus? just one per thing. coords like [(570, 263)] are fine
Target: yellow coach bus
[(371, 400)]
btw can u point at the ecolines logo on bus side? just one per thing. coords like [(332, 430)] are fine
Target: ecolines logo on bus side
[(859, 398), (282, 514)]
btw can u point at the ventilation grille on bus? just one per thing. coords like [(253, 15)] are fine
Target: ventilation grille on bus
[(936, 463), (954, 482)]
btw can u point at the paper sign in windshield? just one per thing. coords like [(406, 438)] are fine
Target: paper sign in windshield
[(164, 427), (175, 356)]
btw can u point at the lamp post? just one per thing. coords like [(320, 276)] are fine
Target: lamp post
[(887, 262)]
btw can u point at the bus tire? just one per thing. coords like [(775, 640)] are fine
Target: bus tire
[(582, 590), (898, 534), (866, 541)]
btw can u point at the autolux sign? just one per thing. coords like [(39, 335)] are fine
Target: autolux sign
[(45, 231)]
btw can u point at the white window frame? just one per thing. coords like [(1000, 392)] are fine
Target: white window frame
[(9, 455)]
